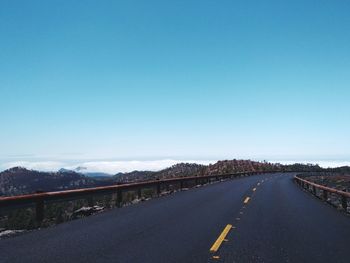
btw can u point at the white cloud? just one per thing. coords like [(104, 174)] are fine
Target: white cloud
[(41, 166), (113, 167)]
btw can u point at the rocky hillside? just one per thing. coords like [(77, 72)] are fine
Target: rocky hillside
[(177, 170), (221, 167), (235, 166), (18, 180), (133, 176), (190, 169)]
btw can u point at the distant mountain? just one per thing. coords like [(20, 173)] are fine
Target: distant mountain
[(19, 180), (235, 166), (182, 170), (134, 176), (98, 175), (83, 170), (80, 169), (177, 170), (63, 170)]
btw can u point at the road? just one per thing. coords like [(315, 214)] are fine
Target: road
[(272, 220)]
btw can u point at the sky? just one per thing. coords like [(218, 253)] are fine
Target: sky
[(158, 82)]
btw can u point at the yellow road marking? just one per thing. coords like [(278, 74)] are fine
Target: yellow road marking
[(216, 257), (246, 200), (254, 189), (215, 247)]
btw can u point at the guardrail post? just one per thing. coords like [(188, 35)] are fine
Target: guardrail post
[(90, 201), (325, 195), (314, 189), (181, 185), (139, 193), (199, 182), (158, 188), (39, 209), (344, 202), (119, 198)]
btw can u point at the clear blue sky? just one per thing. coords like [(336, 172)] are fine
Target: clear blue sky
[(146, 80)]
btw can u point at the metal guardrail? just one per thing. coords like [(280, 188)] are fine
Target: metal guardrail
[(40, 199), (312, 187)]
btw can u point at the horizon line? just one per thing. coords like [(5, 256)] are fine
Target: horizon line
[(114, 167)]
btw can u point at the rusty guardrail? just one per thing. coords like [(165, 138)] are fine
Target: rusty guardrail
[(312, 187), (40, 199)]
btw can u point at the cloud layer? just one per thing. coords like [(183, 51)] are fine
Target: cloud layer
[(111, 167)]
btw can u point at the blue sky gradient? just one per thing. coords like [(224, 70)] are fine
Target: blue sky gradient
[(146, 80)]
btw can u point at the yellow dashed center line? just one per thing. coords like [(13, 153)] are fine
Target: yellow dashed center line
[(215, 247), (222, 238)]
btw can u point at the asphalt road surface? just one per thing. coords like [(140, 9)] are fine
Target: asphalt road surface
[(272, 219)]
